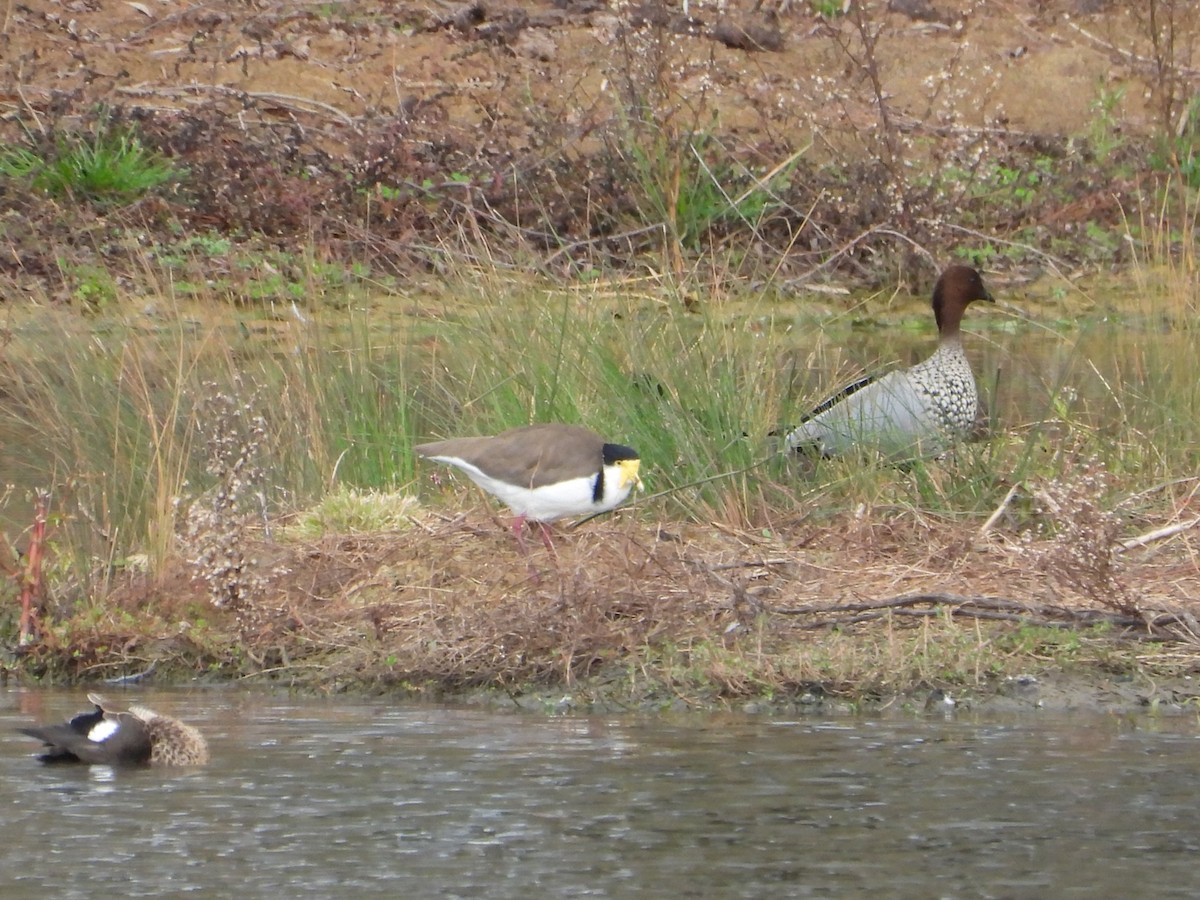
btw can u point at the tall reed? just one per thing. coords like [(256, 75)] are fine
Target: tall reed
[(695, 395), (110, 413)]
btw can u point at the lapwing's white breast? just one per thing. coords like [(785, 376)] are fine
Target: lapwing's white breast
[(542, 504), (573, 497)]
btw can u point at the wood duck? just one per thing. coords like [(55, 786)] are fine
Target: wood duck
[(911, 412)]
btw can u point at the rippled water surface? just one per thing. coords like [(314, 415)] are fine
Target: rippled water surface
[(360, 798)]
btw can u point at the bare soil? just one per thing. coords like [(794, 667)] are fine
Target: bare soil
[(381, 132)]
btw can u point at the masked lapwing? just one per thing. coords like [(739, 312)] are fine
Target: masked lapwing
[(544, 472)]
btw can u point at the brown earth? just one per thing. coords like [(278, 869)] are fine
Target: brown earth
[(626, 614), (380, 131)]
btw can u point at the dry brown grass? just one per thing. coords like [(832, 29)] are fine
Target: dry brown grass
[(867, 604)]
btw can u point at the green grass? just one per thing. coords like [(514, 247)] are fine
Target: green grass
[(110, 166), (112, 417), (349, 511), (829, 8)]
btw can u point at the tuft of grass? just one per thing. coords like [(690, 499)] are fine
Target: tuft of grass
[(349, 392), (692, 187), (830, 9), (347, 510), (110, 166), (1165, 262), (103, 421)]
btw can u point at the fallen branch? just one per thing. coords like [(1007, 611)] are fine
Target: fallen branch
[(1158, 534), (936, 598), (285, 101), (985, 608), (1129, 56)]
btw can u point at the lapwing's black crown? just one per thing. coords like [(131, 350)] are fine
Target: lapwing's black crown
[(614, 453)]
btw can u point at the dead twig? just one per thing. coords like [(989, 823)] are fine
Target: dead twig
[(999, 511), (31, 581), (1129, 55), (286, 101), (957, 606), (1157, 534)]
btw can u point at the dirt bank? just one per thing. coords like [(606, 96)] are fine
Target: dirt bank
[(577, 134)]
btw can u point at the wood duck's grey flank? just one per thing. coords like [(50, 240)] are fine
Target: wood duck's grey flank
[(911, 412)]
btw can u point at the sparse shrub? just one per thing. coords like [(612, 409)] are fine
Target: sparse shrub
[(1179, 152), (216, 523), (1104, 132), (1083, 551), (1169, 27)]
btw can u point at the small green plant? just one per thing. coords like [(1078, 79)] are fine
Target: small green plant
[(830, 8), (19, 162), (1181, 153), (977, 256), (1104, 132), (94, 288), (112, 166), (210, 245), (203, 247), (693, 188), (1012, 185)]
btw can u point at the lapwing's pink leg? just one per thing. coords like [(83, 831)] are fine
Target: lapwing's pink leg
[(518, 526)]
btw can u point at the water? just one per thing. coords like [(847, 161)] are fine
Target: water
[(364, 798)]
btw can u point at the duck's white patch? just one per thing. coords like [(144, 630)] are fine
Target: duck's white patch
[(103, 730)]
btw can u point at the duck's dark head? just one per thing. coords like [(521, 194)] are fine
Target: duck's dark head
[(957, 288)]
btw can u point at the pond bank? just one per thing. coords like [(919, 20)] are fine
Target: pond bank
[(633, 615)]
